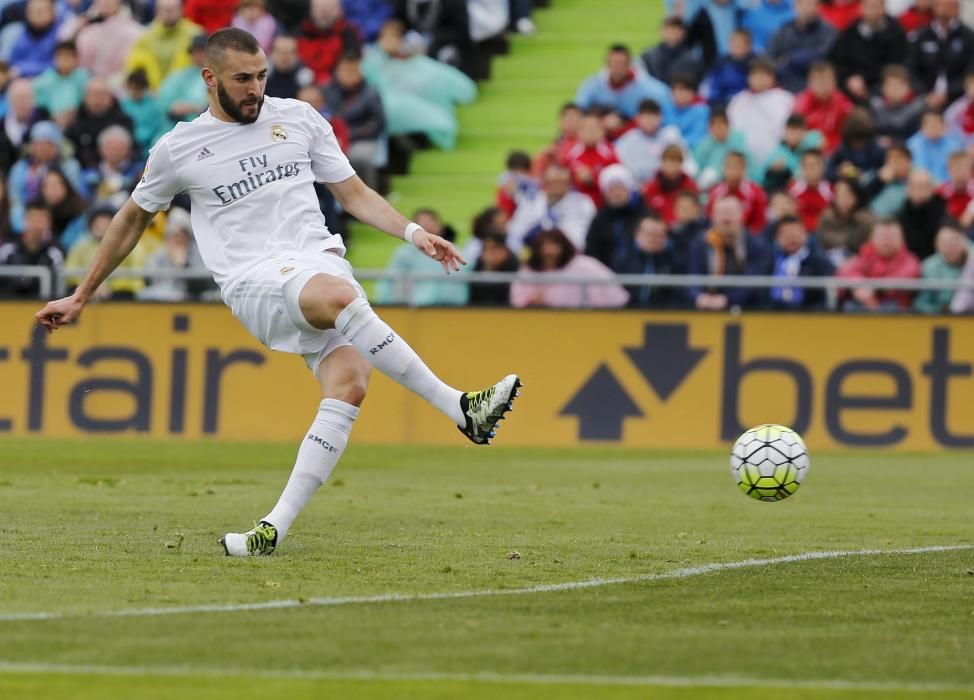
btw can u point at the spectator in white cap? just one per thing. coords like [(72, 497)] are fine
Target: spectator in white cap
[(611, 231), (27, 174)]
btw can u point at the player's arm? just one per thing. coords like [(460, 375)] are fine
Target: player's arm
[(368, 206), (122, 236)]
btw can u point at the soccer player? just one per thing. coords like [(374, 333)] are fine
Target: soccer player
[(249, 164)]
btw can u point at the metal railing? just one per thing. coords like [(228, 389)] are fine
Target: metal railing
[(406, 281)]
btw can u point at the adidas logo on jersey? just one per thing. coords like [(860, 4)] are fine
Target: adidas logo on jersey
[(204, 154)]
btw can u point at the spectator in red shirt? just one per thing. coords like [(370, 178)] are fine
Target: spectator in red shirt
[(824, 107), (569, 120), (587, 158), (811, 192), (840, 13), (918, 16), (885, 256), (210, 14), (325, 36), (749, 193), (958, 191), (663, 190)]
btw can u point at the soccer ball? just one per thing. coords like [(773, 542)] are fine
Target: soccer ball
[(769, 462)]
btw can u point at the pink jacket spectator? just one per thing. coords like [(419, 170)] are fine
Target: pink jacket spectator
[(869, 265), (568, 295), (104, 47)]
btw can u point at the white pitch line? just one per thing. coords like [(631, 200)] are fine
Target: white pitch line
[(488, 677), (683, 573)]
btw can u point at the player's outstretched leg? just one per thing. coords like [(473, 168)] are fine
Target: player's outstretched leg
[(344, 377), (328, 301)]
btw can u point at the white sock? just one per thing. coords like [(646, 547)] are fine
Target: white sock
[(392, 356), (320, 451)]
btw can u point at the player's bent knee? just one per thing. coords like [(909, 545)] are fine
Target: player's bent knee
[(323, 298)]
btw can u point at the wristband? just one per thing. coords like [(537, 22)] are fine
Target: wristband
[(411, 228)]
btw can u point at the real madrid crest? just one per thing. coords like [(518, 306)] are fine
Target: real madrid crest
[(278, 133)]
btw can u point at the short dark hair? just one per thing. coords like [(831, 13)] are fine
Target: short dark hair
[(518, 160), (719, 114), (687, 80), (494, 236), (816, 152), (953, 224), (620, 48), (427, 211), (761, 64), (675, 21), (229, 39), (796, 121), (569, 107), (901, 148), (66, 45), (821, 66), (650, 106), (736, 154), (39, 204), (933, 113), (138, 79), (896, 71), (787, 220)]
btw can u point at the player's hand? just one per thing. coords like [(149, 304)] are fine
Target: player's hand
[(440, 250), (60, 313)]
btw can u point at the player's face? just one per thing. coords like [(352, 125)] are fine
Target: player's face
[(240, 84)]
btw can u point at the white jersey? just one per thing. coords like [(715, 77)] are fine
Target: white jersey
[(251, 185)]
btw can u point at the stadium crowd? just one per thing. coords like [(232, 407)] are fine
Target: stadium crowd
[(88, 86), (780, 138)]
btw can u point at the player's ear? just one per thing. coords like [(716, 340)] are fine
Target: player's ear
[(209, 77)]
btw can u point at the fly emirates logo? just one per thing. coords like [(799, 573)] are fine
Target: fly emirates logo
[(257, 174)]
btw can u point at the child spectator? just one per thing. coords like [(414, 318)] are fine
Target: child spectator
[(736, 186), (727, 249), (780, 205), (799, 43), (811, 192), (958, 190), (569, 121), (494, 256), (765, 17), (33, 247), (884, 256), (653, 254), (690, 223), (252, 16), (760, 112), (922, 213), (673, 55), (824, 107), (670, 180), (641, 149), (611, 231), (794, 256), (729, 74), (313, 95), (960, 115), (897, 109), (932, 145), (785, 162), (621, 86), (145, 111), (83, 253), (712, 150), (866, 47), (690, 114), (553, 256), (859, 155), (589, 157), (846, 224), (887, 191), (60, 88), (917, 16), (947, 264), (516, 183)]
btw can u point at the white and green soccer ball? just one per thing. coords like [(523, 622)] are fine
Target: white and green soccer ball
[(769, 462)]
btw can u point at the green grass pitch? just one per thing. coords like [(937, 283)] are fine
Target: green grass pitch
[(99, 526)]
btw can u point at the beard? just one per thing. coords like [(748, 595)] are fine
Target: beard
[(235, 109)]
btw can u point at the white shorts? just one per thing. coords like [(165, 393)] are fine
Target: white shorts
[(266, 302)]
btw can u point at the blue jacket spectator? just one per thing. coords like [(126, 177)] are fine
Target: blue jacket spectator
[(653, 254), (369, 15), (673, 55), (27, 175), (765, 18), (720, 14), (622, 86), (712, 150), (689, 114), (799, 43), (611, 233), (727, 249), (932, 146), (729, 74), (119, 165), (145, 111), (60, 88), (33, 52), (794, 255)]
